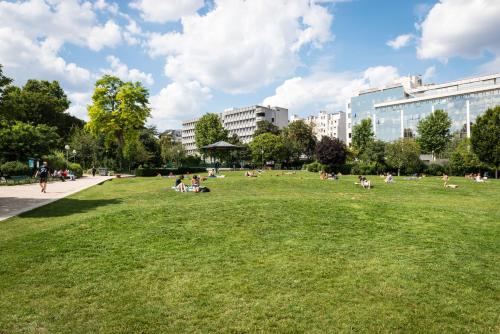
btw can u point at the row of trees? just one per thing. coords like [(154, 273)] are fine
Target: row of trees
[(465, 155), (296, 143), (35, 123)]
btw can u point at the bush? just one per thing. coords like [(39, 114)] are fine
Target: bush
[(435, 169), (367, 168), (14, 168), (55, 160), (315, 167), (166, 171), (76, 168)]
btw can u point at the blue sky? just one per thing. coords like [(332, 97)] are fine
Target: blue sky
[(198, 56)]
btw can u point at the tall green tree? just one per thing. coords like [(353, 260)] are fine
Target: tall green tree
[(171, 151), (39, 102), (267, 147), (4, 82), (118, 112), (434, 132), (87, 147), (209, 130), (485, 137), (264, 127), (362, 135), (20, 141), (299, 139), (463, 160), (404, 155)]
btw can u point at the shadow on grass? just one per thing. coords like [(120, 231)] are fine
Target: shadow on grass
[(68, 206)]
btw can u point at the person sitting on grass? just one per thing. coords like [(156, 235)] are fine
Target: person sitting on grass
[(179, 185), (211, 173), (195, 184), (323, 175), (389, 178), (478, 178), (364, 182)]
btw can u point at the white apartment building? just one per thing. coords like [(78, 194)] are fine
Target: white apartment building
[(239, 121), (188, 136), (327, 124)]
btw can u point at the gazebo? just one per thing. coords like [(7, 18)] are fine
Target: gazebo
[(219, 147)]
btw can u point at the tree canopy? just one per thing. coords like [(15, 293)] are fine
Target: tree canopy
[(118, 112), (299, 139), (266, 126), (39, 102), (485, 137), (331, 152), (404, 155), (209, 130), (267, 147), (362, 135), (434, 132)]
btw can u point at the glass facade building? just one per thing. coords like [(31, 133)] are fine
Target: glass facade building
[(395, 111)]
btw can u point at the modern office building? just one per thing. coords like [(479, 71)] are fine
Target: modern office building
[(326, 124), (395, 110), (239, 121)]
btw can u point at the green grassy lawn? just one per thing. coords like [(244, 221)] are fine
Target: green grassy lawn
[(285, 254)]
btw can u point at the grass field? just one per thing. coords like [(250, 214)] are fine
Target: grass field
[(285, 254)]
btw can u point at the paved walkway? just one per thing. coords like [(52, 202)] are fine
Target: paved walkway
[(15, 200)]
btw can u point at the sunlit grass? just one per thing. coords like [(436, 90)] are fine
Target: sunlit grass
[(278, 253)]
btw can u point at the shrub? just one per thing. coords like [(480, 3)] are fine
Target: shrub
[(435, 169), (14, 168), (166, 171), (76, 168), (367, 168), (315, 167), (55, 160)]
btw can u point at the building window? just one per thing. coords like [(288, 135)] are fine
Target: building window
[(272, 120)]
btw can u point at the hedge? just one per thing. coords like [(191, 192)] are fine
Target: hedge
[(76, 168), (14, 168), (167, 171)]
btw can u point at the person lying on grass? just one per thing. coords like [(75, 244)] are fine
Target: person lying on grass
[(250, 174), (446, 184), (179, 185)]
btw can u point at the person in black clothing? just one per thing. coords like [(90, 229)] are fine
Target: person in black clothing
[(93, 171), (43, 174)]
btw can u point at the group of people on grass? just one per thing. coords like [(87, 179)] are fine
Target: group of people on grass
[(195, 184)]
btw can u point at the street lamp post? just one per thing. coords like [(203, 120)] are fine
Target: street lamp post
[(74, 156), (262, 155), (67, 152)]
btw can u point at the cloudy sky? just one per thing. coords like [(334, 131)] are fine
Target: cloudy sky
[(198, 56)]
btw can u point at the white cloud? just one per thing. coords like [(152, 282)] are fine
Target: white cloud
[(24, 58), (122, 71), (429, 74), (69, 21), (221, 50), (400, 41), (177, 102), (328, 91), (164, 11), (103, 5), (79, 103), (107, 35), (464, 28)]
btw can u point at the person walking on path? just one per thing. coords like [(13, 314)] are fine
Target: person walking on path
[(94, 170), (43, 174)]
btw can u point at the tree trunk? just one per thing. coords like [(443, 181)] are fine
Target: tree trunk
[(399, 170), (496, 172)]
